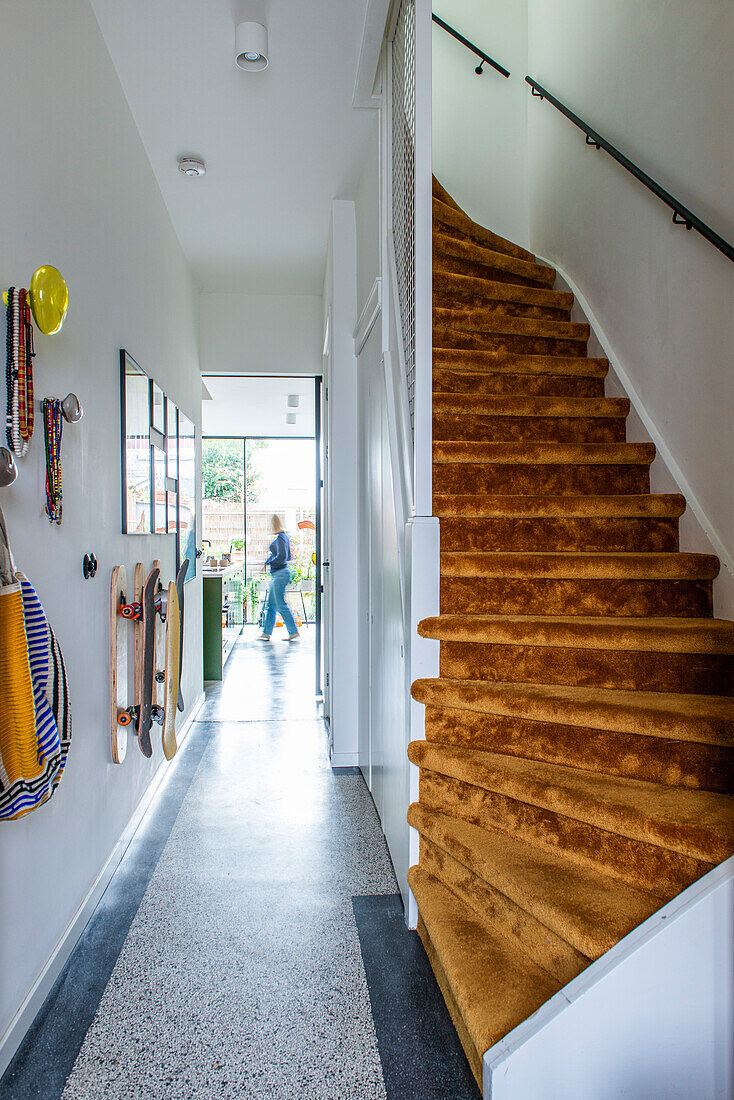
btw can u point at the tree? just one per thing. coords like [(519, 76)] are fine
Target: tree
[(222, 470)]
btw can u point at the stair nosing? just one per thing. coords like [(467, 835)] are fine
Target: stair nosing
[(566, 807)]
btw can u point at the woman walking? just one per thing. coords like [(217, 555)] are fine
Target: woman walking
[(280, 578)]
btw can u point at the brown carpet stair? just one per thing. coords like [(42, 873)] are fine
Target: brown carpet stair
[(579, 755)]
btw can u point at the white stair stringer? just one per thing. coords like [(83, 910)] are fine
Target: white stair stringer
[(652, 1018)]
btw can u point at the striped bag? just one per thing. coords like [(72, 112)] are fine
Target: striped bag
[(35, 716)]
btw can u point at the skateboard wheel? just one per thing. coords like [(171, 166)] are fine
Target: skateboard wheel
[(124, 718), (127, 611), (156, 714), (160, 677)]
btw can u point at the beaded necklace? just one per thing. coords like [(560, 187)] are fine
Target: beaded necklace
[(53, 425), (19, 372)]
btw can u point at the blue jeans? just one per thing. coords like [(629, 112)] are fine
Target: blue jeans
[(279, 581)]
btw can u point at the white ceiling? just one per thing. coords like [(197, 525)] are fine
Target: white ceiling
[(279, 145), (256, 406)]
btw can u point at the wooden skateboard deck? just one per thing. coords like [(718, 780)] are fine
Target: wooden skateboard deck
[(150, 617), (118, 665), (180, 593), (173, 667), (160, 648), (138, 582)]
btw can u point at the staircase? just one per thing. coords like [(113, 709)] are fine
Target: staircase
[(579, 752)]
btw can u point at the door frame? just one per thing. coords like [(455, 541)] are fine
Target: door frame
[(320, 532)]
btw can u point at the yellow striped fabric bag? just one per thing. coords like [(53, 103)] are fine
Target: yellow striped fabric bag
[(33, 695)]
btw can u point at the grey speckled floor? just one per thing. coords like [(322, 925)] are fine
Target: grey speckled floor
[(241, 974)]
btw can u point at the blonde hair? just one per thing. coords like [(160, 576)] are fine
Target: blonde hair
[(276, 524)]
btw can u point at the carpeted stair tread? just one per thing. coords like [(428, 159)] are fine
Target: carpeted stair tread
[(452, 220), (491, 322), (530, 406), (481, 361), (697, 824), (451, 249), (706, 719), (652, 759), (542, 453), (664, 635), (457, 287), (587, 909), (440, 192), (641, 505), (492, 982), (587, 566), (499, 382)]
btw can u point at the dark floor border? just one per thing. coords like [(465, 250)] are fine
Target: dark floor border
[(421, 1054), (46, 1056)]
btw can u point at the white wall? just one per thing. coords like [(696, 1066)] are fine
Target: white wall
[(260, 333), (342, 432), (656, 80), (79, 193), (480, 122)]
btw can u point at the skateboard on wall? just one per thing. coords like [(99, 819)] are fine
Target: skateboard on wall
[(145, 614), (157, 615), (160, 640), (171, 683), (180, 578), (118, 664)]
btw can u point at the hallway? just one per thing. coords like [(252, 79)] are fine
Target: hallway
[(227, 957)]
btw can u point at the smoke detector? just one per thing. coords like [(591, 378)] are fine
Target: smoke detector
[(191, 166)]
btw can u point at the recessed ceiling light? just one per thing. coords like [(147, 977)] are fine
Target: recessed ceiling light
[(191, 166)]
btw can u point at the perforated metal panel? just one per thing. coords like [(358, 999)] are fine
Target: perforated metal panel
[(403, 180)]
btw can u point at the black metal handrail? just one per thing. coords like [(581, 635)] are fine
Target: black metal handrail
[(681, 214), (486, 59)]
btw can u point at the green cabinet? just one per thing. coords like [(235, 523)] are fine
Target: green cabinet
[(224, 593)]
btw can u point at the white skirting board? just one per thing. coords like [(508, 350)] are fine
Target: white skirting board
[(344, 760), (28, 1010), (653, 1017)]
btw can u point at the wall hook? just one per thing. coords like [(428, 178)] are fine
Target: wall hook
[(89, 566), (8, 468), (71, 409)]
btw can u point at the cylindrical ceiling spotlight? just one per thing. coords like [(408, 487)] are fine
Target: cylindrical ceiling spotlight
[(294, 401), (290, 418), (251, 47)]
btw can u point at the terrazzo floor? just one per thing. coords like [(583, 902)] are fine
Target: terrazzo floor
[(241, 973)]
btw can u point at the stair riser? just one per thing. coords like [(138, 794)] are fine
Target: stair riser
[(646, 866), (492, 907), (480, 428), (454, 266), (686, 673), (450, 251), (508, 342), (488, 322), (460, 230), (528, 479), (532, 596), (528, 385), (654, 760), (454, 222), (448, 299), (582, 534), (491, 307)]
